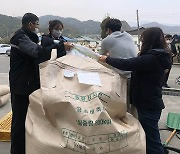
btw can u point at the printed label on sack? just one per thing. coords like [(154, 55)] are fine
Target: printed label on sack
[(87, 98), (99, 143), (94, 123)]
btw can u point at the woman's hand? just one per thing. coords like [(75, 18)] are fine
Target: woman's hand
[(68, 46), (102, 58)]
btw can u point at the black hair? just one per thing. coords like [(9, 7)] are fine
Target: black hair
[(53, 23), (168, 36), (29, 17), (153, 38), (113, 25)]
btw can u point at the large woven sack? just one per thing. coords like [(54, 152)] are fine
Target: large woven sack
[(4, 99), (4, 89), (68, 117)]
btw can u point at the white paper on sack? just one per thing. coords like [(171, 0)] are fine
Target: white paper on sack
[(69, 73), (91, 78), (86, 51)]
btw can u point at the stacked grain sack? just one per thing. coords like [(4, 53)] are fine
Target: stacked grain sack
[(81, 108), (4, 94)]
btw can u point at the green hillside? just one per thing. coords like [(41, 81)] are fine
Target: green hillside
[(8, 25), (72, 26)]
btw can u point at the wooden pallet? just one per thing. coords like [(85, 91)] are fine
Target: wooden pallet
[(5, 127)]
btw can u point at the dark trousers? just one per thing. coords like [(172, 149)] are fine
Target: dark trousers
[(149, 120), (19, 108)]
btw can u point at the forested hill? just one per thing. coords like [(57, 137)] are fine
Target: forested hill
[(72, 26), (8, 25)]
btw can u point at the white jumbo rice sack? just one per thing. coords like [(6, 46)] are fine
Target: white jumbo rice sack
[(81, 108)]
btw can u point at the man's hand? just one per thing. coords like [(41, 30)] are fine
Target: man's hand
[(102, 58), (68, 46)]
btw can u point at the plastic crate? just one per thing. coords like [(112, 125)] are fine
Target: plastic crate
[(5, 127)]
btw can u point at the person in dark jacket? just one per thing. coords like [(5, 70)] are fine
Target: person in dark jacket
[(148, 70), (168, 39), (55, 35), (24, 75)]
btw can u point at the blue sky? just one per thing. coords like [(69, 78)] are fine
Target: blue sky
[(162, 11)]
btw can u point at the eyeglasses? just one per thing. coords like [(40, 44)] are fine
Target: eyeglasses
[(35, 23)]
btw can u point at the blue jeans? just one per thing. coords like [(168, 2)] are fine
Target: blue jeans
[(149, 120)]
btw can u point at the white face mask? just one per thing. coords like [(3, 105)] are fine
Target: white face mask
[(57, 33), (36, 31), (168, 42), (40, 38)]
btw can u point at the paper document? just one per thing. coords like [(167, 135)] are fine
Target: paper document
[(90, 78), (69, 73), (87, 52)]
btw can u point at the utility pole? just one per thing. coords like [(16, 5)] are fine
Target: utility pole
[(138, 30)]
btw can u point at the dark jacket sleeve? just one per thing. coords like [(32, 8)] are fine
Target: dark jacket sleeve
[(173, 49), (32, 49), (61, 50), (28, 47), (146, 62), (47, 42)]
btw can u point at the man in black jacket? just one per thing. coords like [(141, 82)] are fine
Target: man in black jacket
[(24, 75)]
